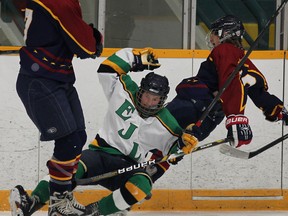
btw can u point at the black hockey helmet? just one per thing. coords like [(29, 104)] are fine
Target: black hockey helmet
[(228, 27), (155, 84)]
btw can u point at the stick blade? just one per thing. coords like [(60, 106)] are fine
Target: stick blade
[(233, 152)]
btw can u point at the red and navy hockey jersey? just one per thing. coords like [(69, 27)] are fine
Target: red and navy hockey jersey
[(214, 72), (54, 33)]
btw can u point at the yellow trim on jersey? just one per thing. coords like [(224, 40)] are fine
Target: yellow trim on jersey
[(275, 109), (115, 67), (242, 107), (94, 143), (167, 127), (84, 165), (261, 75), (62, 26), (126, 90)]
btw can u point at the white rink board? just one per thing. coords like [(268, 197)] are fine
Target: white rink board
[(24, 157)]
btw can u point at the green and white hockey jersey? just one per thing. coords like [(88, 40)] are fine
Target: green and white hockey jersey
[(123, 129)]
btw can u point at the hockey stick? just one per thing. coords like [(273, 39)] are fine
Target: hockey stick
[(240, 64), (234, 152), (146, 163)]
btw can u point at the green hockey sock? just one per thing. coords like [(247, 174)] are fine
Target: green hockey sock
[(107, 205), (42, 191)]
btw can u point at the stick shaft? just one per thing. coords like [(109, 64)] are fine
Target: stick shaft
[(147, 163), (268, 146)]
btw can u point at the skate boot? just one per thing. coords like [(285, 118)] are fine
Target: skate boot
[(22, 204), (78, 208), (92, 210), (60, 205)]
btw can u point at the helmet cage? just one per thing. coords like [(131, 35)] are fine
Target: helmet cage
[(146, 112), (154, 84)]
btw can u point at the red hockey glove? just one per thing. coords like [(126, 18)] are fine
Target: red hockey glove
[(145, 59), (239, 129)]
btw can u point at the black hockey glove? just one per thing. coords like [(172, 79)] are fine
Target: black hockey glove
[(145, 59), (155, 171), (99, 40)]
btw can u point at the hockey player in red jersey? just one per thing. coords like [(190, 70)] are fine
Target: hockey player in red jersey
[(225, 39), (54, 33)]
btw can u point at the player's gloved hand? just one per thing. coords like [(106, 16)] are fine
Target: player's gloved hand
[(188, 140), (145, 59), (239, 129), (156, 171), (99, 40), (174, 161), (280, 113), (284, 116)]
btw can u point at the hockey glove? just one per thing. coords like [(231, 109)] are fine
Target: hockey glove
[(157, 170), (279, 113), (188, 141), (239, 129), (99, 40), (145, 59), (174, 161)]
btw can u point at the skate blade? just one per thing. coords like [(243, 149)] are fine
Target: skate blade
[(14, 201)]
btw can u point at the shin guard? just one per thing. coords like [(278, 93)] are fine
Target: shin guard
[(61, 173)]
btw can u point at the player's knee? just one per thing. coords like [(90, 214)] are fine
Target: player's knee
[(68, 147), (137, 188), (83, 137)]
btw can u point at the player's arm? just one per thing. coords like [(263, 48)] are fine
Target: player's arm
[(129, 59), (117, 66), (83, 40), (271, 106)]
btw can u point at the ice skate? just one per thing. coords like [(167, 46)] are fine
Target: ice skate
[(92, 209), (78, 207), (60, 205), (21, 203)]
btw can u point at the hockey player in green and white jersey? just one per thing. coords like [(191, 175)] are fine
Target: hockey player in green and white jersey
[(135, 124)]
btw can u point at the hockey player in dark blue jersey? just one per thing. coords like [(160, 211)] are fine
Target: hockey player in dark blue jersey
[(54, 33)]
